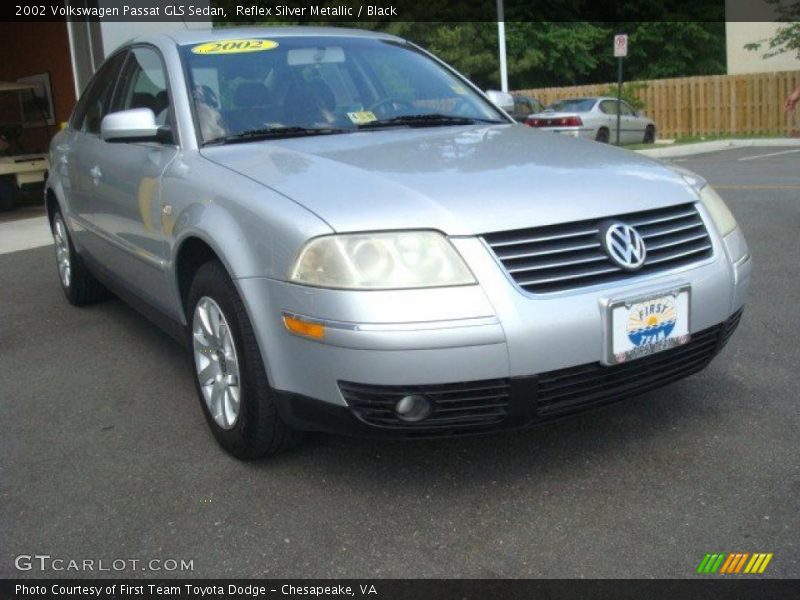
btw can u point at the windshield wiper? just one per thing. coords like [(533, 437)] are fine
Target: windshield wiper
[(268, 133), (425, 120)]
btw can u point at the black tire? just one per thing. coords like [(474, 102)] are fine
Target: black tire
[(649, 135), (81, 288), (8, 193), (258, 430), (603, 135)]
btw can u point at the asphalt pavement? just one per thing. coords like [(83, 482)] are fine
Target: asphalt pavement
[(104, 453)]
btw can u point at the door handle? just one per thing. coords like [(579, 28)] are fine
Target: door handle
[(95, 173)]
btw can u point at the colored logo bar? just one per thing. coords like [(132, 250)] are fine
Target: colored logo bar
[(734, 563)]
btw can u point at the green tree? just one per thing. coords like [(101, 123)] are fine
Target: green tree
[(547, 53), (660, 49), (469, 47)]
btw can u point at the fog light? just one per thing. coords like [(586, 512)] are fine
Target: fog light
[(413, 408)]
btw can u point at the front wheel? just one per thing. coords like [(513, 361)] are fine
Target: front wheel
[(650, 135), (230, 377)]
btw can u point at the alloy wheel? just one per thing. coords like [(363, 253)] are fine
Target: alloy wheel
[(216, 363), (63, 257)]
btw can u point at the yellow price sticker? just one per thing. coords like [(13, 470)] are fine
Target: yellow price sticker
[(362, 116), (234, 46)]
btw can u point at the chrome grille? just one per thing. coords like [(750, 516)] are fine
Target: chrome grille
[(568, 256)]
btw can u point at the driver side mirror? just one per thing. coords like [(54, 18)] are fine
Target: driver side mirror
[(133, 125)]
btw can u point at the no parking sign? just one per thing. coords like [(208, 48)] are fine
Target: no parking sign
[(621, 45)]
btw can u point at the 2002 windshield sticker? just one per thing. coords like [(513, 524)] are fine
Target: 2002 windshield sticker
[(234, 46)]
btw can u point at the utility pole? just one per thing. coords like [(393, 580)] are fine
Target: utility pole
[(501, 36)]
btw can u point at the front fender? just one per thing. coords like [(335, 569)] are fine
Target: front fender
[(254, 231)]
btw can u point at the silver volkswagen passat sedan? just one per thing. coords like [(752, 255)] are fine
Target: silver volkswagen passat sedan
[(350, 237)]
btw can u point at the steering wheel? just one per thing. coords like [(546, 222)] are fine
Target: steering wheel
[(389, 104)]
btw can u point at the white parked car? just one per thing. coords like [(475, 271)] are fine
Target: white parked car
[(596, 119)]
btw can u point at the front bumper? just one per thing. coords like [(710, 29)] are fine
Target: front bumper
[(484, 406), (392, 341)]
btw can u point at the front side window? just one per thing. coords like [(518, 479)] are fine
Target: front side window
[(609, 107), (144, 85), (320, 82), (626, 110)]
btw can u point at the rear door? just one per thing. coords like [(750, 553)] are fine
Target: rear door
[(76, 153), (126, 203)]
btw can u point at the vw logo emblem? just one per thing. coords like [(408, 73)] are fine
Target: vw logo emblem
[(624, 246)]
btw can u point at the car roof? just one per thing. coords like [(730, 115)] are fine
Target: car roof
[(196, 36)]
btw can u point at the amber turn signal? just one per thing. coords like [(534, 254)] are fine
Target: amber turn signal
[(303, 328)]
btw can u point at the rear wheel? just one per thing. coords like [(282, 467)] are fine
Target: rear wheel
[(649, 135), (602, 135), (80, 287), (230, 377)]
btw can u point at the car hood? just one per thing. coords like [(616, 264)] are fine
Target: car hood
[(461, 180)]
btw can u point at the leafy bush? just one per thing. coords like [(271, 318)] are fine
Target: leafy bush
[(630, 93)]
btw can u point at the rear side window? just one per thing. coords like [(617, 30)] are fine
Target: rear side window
[(96, 99), (573, 105)]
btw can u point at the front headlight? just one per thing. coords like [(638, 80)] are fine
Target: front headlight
[(720, 213), (380, 261)]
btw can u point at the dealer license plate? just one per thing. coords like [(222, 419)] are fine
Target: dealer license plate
[(644, 326)]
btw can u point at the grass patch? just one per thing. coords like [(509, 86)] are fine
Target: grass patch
[(697, 139)]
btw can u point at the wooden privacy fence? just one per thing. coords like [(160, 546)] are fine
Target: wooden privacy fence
[(713, 104)]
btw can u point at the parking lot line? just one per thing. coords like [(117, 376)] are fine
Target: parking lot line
[(755, 186), (767, 155)]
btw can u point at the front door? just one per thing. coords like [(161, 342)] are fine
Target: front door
[(632, 126), (126, 203)]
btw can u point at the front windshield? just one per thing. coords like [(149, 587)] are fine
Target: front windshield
[(575, 105), (329, 84)]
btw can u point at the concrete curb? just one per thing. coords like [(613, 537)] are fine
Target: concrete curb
[(703, 147)]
